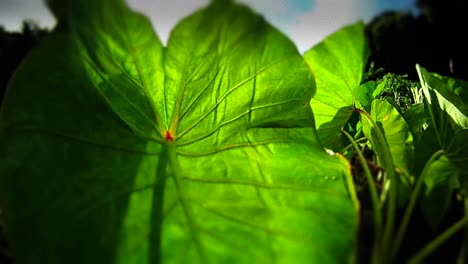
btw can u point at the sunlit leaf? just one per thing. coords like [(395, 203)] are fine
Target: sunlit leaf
[(117, 150), (338, 64), (398, 138)]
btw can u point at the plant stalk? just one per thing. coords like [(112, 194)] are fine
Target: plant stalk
[(439, 240), (387, 161), (370, 181), (351, 145), (377, 208), (412, 202)]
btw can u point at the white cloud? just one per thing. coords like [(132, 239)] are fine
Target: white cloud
[(13, 12), (327, 17), (277, 12), (164, 15), (305, 27), (273, 10)]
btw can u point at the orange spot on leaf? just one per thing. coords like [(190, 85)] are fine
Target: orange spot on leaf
[(169, 136)]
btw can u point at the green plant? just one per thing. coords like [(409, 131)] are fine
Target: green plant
[(203, 151), (225, 146), (388, 125)]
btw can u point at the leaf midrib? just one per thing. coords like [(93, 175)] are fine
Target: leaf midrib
[(177, 176)]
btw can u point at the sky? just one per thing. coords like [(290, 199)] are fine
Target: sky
[(306, 22)]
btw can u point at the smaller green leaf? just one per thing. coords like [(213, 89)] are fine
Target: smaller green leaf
[(338, 64), (364, 95), (424, 138), (447, 95), (417, 119), (439, 182), (397, 133), (457, 150), (398, 137), (380, 87), (425, 148)]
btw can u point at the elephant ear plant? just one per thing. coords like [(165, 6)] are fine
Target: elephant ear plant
[(116, 149), (397, 141)]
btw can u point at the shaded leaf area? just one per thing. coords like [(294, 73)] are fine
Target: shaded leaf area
[(440, 183), (445, 100), (446, 103), (421, 232), (201, 152), (5, 256), (338, 64), (14, 46)]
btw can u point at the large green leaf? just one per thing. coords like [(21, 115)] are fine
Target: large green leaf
[(338, 64), (447, 104), (117, 150), (446, 100)]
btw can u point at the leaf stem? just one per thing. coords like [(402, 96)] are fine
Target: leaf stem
[(377, 208), (412, 202), (439, 240), (387, 163), (351, 145), (370, 181)]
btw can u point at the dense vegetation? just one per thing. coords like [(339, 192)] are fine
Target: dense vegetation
[(395, 39)]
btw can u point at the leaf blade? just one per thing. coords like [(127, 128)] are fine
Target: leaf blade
[(338, 64), (254, 183)]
